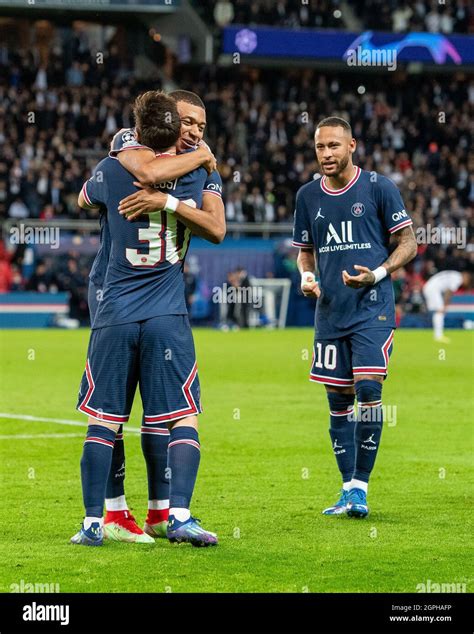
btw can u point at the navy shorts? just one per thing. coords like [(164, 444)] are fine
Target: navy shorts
[(336, 361), (157, 355)]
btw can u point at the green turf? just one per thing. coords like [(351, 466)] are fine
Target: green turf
[(267, 470)]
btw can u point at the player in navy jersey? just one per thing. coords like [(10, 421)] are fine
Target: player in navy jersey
[(141, 334), (343, 224), (148, 166)]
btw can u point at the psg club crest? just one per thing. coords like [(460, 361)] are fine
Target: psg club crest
[(357, 210)]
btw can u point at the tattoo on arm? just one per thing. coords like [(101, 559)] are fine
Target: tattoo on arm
[(405, 250), (306, 260)]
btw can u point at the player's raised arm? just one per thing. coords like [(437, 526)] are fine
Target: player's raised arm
[(141, 161), (207, 223), (150, 169)]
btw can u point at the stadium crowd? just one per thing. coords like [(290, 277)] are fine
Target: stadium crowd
[(284, 13), (382, 15), (260, 125), (422, 15)]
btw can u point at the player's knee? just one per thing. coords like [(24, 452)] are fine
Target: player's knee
[(340, 402), (368, 391), (188, 421), (112, 426)]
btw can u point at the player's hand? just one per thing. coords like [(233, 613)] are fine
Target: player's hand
[(145, 201), (208, 159), (309, 287), (365, 277)]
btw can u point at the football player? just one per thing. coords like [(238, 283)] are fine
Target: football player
[(344, 222), (160, 169), (141, 333)]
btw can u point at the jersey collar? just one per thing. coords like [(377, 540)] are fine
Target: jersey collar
[(343, 190)]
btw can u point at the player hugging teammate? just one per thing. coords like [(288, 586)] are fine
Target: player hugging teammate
[(141, 333), (343, 224)]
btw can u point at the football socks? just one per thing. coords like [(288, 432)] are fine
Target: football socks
[(368, 429), (341, 431), (154, 439), (183, 461), (95, 468)]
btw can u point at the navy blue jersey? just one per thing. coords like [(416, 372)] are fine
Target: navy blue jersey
[(144, 268), (126, 140), (99, 266), (347, 227)]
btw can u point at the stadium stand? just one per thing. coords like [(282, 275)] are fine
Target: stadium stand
[(289, 13), (261, 123), (386, 15), (422, 15)]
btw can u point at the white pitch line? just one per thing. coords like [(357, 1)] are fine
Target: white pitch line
[(33, 436), (58, 421)]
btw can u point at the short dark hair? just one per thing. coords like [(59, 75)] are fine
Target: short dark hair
[(334, 122), (156, 119), (188, 97)]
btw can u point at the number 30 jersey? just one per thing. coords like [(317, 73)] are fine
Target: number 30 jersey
[(345, 227), (144, 272)]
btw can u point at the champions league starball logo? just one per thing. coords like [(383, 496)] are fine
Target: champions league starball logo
[(357, 210), (128, 136), (246, 41)]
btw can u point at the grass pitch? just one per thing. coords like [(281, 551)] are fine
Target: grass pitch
[(267, 470)]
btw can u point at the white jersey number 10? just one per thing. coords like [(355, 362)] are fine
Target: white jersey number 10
[(330, 352)]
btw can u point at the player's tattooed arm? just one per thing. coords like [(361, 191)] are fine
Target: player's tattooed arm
[(149, 169), (405, 250), (403, 253), (208, 223), (306, 265)]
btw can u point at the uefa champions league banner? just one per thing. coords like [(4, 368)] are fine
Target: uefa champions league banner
[(370, 48)]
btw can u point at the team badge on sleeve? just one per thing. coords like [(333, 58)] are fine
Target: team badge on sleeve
[(129, 137)]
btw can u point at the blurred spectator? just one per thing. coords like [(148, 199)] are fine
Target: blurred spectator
[(223, 12), (43, 279), (72, 280), (239, 299), (6, 272), (18, 209)]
